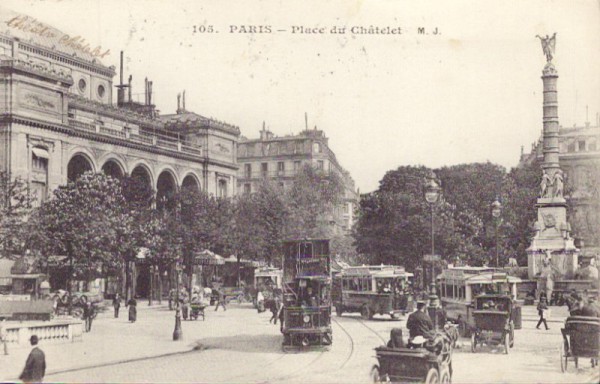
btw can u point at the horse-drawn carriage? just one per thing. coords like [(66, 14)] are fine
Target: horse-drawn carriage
[(430, 362), (494, 324), (581, 339)]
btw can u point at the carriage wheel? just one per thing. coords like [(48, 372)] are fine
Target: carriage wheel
[(445, 379), (506, 342), (473, 342), (563, 358), (365, 312), (375, 374), (433, 377), (338, 311)]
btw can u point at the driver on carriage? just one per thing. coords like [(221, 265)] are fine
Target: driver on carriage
[(420, 326)]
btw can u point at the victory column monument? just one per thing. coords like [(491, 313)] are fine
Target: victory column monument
[(552, 253)]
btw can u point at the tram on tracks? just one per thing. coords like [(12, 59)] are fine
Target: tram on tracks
[(373, 289), (306, 294)]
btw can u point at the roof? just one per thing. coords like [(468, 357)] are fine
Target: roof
[(33, 31), (489, 278), (187, 120)]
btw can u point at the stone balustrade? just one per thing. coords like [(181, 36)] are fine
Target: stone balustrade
[(63, 330)]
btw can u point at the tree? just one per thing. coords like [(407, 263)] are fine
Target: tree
[(394, 223), (15, 206), (87, 220), (311, 200)]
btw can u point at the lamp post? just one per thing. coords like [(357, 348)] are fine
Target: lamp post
[(177, 332), (496, 212), (432, 194)]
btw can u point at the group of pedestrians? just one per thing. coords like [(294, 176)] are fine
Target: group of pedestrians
[(131, 304)]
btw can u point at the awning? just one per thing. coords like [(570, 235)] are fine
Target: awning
[(207, 257), (40, 152), (233, 259)]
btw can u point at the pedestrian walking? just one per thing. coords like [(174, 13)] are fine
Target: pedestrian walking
[(220, 300), (117, 304), (185, 306), (89, 312), (132, 304), (275, 308), (171, 298), (35, 366), (543, 312)]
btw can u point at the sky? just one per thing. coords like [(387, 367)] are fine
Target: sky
[(470, 93)]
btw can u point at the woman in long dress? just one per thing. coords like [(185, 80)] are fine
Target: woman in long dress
[(132, 304)]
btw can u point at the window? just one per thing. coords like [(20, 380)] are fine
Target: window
[(247, 189), (222, 188), (592, 146), (317, 147), (82, 85), (39, 167), (581, 145), (265, 169), (280, 167), (101, 91), (248, 170), (296, 165), (571, 147), (320, 165), (39, 192)]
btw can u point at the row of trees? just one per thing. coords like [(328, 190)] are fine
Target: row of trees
[(101, 223), (394, 221)]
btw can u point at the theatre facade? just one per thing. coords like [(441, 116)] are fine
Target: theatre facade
[(58, 120)]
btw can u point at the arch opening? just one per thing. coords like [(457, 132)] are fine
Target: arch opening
[(190, 183), (113, 169), (166, 187), (78, 165)]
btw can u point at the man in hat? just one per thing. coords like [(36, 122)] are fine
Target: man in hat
[(35, 366), (419, 323)]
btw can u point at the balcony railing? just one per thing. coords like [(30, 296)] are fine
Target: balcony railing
[(149, 139), (272, 174)]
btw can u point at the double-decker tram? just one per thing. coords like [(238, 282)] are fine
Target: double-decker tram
[(373, 289), (307, 294)]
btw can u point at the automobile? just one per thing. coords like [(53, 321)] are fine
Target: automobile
[(494, 325)]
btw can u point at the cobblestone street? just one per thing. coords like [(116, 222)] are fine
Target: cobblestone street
[(240, 346)]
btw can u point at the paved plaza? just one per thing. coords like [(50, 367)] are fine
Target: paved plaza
[(240, 346)]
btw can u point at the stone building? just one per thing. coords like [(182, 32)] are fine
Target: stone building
[(279, 159), (58, 120), (579, 159)]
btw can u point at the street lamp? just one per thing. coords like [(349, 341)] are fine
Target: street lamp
[(496, 212), (432, 194), (177, 332)]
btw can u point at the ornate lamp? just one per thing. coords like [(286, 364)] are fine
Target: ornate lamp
[(432, 194), (496, 212)]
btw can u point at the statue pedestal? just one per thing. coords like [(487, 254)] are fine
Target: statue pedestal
[(552, 241)]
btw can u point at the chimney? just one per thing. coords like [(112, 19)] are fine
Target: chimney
[(121, 86), (129, 85), (150, 93), (179, 103), (146, 91), (183, 106)]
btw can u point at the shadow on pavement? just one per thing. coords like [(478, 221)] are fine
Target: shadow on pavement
[(243, 343)]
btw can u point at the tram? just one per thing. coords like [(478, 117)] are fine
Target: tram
[(459, 286), (373, 289), (306, 294)]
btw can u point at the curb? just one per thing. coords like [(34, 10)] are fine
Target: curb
[(110, 363)]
